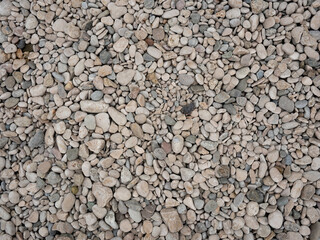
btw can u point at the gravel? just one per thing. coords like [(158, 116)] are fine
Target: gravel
[(160, 119)]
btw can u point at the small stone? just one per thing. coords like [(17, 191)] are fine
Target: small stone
[(118, 117), (31, 22), (186, 79), (186, 174), (121, 45), (72, 154), (96, 145), (93, 106), (307, 192), (188, 108), (148, 4), (170, 14), (3, 213), (255, 195), (241, 175), (125, 225), (172, 219), (286, 104), (102, 120), (11, 102), (159, 153), (177, 144), (158, 34), (102, 194), (122, 194), (242, 73), (257, 6), (275, 219), (211, 206), (23, 121), (315, 231), (125, 77), (315, 22), (115, 11), (53, 178), (37, 140), (221, 97), (111, 220), (63, 112), (68, 202), (5, 8), (143, 188)]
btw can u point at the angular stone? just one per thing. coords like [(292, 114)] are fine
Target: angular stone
[(102, 194), (172, 219)]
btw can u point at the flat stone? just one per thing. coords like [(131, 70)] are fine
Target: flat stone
[(170, 14), (158, 34), (11, 102), (31, 22), (275, 219), (186, 79), (187, 174), (68, 202), (255, 195), (143, 188), (177, 144), (120, 45), (211, 206), (96, 145), (125, 77), (221, 97), (286, 104), (172, 219), (93, 106), (102, 121), (118, 117), (53, 178), (22, 121), (102, 194), (37, 140)]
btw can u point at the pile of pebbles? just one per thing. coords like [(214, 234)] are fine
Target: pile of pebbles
[(171, 119)]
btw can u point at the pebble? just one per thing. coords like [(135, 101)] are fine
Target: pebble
[(118, 117), (186, 80), (143, 188), (286, 104), (172, 219), (125, 77), (120, 45), (275, 219), (68, 202)]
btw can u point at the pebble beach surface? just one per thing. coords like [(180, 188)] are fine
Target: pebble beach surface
[(169, 120)]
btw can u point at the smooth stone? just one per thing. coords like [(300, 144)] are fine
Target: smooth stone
[(286, 104), (53, 178), (118, 117), (186, 79), (211, 206), (126, 76), (177, 144), (68, 202), (221, 97), (93, 106)]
